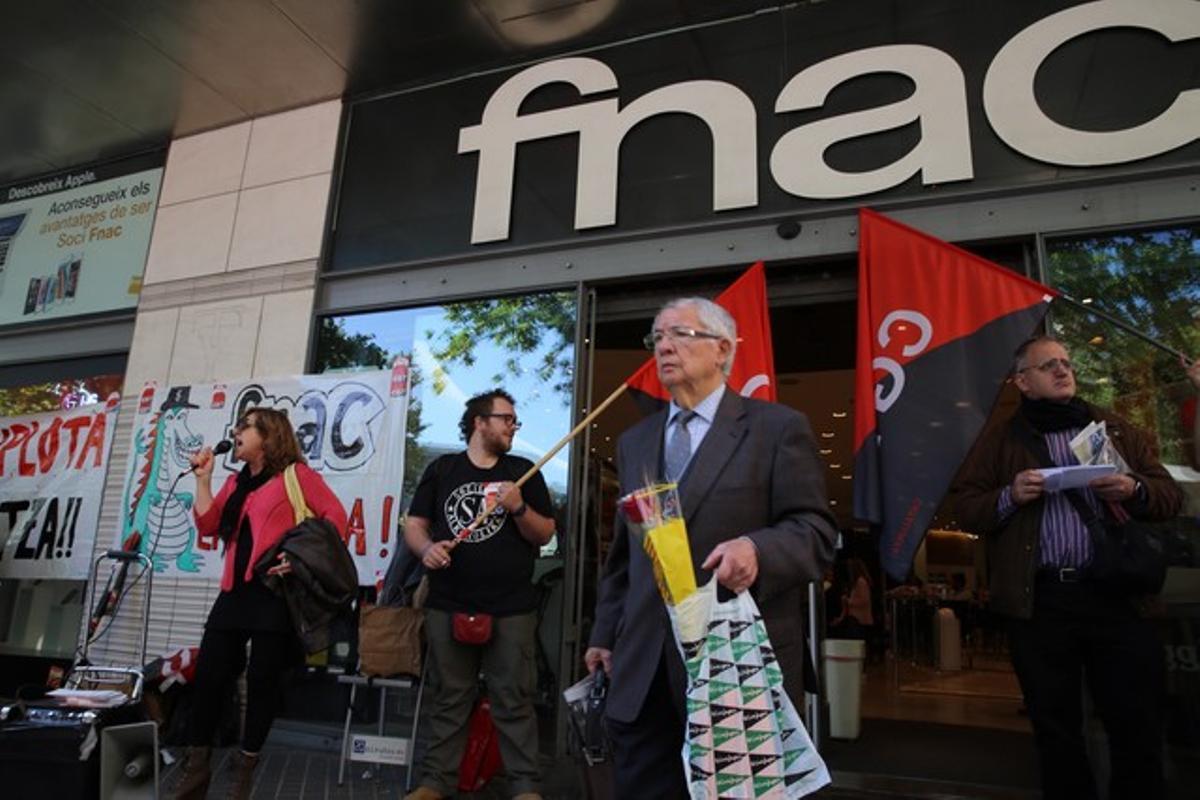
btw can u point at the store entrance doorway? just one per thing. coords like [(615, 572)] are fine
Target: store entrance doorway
[(917, 716)]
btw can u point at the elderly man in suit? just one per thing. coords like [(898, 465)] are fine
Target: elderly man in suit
[(753, 497)]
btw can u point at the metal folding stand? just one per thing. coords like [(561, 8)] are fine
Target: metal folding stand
[(114, 674), (382, 684)]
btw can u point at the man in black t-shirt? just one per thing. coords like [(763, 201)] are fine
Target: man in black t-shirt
[(487, 571)]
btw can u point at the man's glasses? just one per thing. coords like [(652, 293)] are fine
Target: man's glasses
[(1050, 366), (508, 419), (676, 333)]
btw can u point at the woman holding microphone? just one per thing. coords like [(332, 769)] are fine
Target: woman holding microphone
[(249, 514)]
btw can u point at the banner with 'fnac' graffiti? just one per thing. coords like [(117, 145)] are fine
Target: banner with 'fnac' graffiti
[(52, 469), (351, 430)]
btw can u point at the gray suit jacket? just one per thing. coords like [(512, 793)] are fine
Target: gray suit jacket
[(755, 474)]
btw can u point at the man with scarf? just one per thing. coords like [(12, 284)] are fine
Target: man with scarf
[(1064, 629)]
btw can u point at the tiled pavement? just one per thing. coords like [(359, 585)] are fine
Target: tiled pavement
[(293, 773)]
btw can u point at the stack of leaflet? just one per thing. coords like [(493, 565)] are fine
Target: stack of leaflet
[(89, 698)]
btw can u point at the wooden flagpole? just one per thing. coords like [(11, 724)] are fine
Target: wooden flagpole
[(553, 451)]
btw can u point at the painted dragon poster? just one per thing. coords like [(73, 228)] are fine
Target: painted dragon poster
[(351, 430)]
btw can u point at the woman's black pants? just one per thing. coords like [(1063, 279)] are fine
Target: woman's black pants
[(222, 659)]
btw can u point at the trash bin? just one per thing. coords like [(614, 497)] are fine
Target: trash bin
[(948, 636), (843, 685)]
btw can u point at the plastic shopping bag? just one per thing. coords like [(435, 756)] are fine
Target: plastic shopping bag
[(744, 737)]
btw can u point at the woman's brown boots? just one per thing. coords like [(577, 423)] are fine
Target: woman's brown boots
[(196, 774), (242, 779)]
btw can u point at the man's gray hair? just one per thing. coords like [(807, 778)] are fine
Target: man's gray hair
[(714, 319), (1018, 361)]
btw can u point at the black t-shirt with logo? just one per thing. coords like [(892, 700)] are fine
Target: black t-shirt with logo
[(491, 570)]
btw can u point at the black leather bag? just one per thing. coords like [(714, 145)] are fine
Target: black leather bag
[(587, 728), (1127, 557)]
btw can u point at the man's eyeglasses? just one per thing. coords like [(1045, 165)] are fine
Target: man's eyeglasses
[(1050, 366), (508, 419), (676, 333)]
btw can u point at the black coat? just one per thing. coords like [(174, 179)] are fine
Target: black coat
[(322, 583), (1014, 542)]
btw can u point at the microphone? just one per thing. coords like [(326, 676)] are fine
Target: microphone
[(220, 448)]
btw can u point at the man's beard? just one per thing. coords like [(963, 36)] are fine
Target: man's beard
[(496, 445)]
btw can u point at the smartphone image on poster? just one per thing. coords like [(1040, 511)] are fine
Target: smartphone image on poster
[(72, 283), (60, 282), (31, 296), (43, 286), (50, 283)]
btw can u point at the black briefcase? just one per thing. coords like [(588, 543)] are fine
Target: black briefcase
[(591, 740)]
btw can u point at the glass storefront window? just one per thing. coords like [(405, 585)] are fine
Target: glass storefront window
[(524, 344), (40, 617), (1150, 279), (53, 395)]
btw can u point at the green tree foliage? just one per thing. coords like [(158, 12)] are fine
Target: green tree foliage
[(337, 349), (23, 400), (54, 395), (519, 325), (1151, 280), (415, 453)]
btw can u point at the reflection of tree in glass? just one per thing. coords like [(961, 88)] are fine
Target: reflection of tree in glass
[(338, 349), (1152, 281), (520, 325), (29, 399), (54, 395), (415, 455)]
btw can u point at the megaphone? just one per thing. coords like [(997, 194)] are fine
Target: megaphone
[(129, 762)]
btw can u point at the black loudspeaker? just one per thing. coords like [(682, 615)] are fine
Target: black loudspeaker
[(129, 762), (46, 754), (48, 751)]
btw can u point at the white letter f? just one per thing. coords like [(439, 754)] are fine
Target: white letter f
[(497, 134)]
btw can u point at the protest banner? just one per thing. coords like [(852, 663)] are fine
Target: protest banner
[(351, 430), (52, 469)]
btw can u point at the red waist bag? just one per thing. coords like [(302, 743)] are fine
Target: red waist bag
[(472, 628)]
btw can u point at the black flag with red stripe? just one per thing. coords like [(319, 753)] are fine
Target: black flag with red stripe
[(937, 327)]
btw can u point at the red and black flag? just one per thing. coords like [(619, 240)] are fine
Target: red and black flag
[(753, 373), (937, 327)]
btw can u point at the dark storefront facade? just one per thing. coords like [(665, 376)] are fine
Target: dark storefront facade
[(539, 214), (519, 222)]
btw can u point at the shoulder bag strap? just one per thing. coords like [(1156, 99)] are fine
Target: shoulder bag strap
[(1093, 521), (295, 494)]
